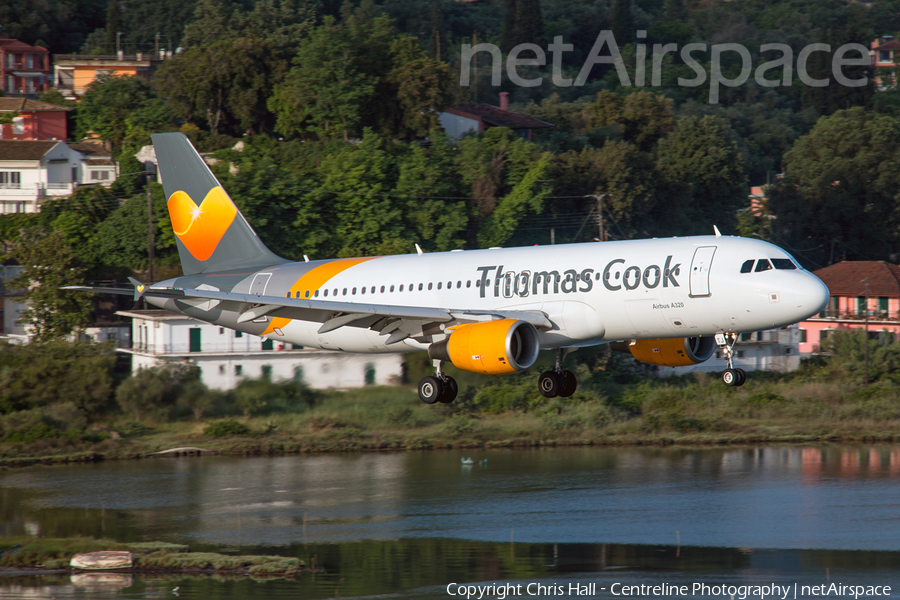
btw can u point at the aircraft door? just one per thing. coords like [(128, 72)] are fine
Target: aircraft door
[(259, 284), (700, 265)]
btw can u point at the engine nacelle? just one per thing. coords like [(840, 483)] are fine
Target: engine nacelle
[(669, 352), (492, 347)]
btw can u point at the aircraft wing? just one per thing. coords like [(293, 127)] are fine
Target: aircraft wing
[(399, 322)]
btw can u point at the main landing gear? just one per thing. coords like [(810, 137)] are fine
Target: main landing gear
[(557, 382), (731, 377), (438, 388)]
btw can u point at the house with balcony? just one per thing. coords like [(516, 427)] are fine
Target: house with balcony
[(864, 295), (33, 120), (24, 69), (885, 55), (74, 72), (226, 356), (32, 172)]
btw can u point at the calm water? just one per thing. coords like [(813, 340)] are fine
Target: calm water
[(408, 524)]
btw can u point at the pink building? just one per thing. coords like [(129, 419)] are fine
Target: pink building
[(33, 120), (24, 69), (885, 54), (850, 283)]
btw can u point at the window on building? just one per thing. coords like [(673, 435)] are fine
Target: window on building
[(802, 336), (10, 179), (221, 330), (745, 337), (823, 335), (861, 305), (268, 345), (238, 334), (238, 370), (882, 305), (267, 371), (370, 374), (298, 373), (29, 61), (221, 369), (884, 56)]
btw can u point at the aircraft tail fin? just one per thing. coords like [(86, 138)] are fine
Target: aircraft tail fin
[(210, 231)]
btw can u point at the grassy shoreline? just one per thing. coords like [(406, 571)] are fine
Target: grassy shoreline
[(31, 554)]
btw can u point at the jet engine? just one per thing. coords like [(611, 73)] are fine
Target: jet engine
[(669, 352), (492, 347)]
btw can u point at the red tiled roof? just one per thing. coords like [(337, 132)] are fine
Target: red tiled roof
[(27, 105), (891, 45), (16, 45), (493, 115), (94, 150), (848, 278)]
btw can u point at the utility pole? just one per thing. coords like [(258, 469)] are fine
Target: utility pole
[(599, 198), (866, 338), (149, 229), (156, 53)]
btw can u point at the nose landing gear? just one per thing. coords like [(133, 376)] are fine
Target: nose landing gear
[(731, 377), (557, 382), (438, 388)]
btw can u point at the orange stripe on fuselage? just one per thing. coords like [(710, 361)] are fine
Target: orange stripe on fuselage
[(313, 280)]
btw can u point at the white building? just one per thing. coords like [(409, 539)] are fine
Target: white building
[(34, 171), (226, 356), (13, 304), (771, 350)]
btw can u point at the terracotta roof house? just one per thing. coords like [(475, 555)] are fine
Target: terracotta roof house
[(477, 118), (885, 55), (859, 289), (33, 120), (24, 69)]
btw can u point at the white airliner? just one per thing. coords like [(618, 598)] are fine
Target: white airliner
[(668, 302)]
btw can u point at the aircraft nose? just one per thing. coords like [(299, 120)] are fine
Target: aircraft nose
[(811, 295)]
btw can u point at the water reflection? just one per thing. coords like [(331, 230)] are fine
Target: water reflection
[(835, 497)]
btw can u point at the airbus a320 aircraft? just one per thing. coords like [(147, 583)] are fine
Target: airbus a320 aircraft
[(669, 302)]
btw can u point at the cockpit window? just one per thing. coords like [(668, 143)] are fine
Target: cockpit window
[(747, 266), (784, 264), (763, 264)]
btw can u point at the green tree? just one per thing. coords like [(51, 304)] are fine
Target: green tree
[(839, 195), (422, 87), (701, 179), (49, 264), (509, 31), (113, 26), (41, 374), (426, 179), (622, 22), (224, 85), (153, 393), (529, 22), (107, 104), (644, 117), (324, 92)]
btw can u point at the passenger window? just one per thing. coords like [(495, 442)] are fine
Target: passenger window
[(597, 276), (298, 294), (317, 293), (439, 285), (345, 291), (326, 293), (382, 289), (763, 265), (784, 264), (306, 294), (747, 266), (354, 291), (469, 283), (335, 293), (362, 290), (401, 287), (429, 287), (458, 284), (372, 291)]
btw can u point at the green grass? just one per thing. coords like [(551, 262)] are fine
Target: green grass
[(55, 553)]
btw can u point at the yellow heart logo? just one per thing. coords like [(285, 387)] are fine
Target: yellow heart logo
[(140, 289), (200, 228)]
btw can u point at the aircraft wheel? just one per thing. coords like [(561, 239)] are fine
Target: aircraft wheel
[(742, 377), (450, 391), (730, 377), (549, 384), (430, 389), (569, 384)]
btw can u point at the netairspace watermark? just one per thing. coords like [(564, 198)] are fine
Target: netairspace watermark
[(500, 591), (689, 54)]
